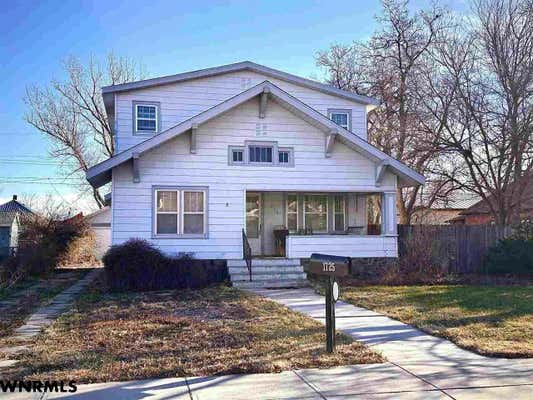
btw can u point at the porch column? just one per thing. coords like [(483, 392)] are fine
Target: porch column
[(388, 214)]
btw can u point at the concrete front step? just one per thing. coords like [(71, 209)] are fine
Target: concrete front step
[(267, 270), (272, 284), (269, 277), (264, 262)]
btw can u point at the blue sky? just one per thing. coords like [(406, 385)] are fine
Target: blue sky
[(167, 37)]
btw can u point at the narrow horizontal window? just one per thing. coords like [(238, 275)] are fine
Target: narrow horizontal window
[(260, 154)]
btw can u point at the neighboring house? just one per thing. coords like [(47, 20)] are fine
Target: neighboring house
[(521, 208), (12, 216), (100, 222), (441, 212), (203, 156)]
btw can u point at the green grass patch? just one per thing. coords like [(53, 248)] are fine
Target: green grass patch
[(491, 320)]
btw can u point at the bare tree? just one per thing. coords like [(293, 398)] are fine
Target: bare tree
[(481, 98), (391, 66), (72, 115)]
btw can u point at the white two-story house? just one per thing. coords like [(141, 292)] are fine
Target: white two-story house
[(242, 157)]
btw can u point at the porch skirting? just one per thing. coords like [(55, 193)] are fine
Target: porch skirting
[(357, 246)]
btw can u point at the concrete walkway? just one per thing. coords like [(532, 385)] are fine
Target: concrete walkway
[(44, 317)]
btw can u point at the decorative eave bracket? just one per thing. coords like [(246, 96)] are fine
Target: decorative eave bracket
[(135, 168), (330, 140), (380, 171), (263, 102), (194, 130)]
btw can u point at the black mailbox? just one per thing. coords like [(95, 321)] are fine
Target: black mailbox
[(325, 264)]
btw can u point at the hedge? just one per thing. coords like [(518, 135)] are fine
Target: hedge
[(137, 265), (510, 256)]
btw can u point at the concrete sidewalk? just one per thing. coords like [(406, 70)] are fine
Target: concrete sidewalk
[(430, 359)]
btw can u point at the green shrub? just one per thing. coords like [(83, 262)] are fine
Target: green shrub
[(139, 266), (510, 256)]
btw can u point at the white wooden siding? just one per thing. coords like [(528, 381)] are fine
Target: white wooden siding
[(173, 164), (342, 245), (181, 101)]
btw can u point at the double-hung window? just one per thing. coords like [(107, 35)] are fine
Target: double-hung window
[(339, 213), (316, 212), (341, 118), (146, 118), (180, 212), (292, 213)]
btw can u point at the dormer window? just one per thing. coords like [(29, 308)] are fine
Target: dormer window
[(341, 118), (146, 118)]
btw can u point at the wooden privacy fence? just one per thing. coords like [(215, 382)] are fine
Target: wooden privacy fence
[(457, 248)]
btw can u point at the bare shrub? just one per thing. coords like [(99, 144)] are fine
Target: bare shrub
[(418, 261)]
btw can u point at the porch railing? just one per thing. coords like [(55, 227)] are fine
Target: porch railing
[(247, 253)]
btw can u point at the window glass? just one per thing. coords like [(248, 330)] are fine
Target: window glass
[(292, 212), (193, 212), (146, 118), (340, 119), (237, 156), (252, 215), (167, 212), (167, 223), (193, 201), (260, 154), (339, 211), (316, 213), (167, 200), (283, 157)]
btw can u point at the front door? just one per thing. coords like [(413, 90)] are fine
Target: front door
[(254, 222)]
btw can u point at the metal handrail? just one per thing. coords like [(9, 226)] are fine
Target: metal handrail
[(247, 253)]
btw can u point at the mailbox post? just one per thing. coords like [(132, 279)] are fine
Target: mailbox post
[(330, 266)]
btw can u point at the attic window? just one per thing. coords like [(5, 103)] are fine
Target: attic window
[(341, 118), (146, 118)]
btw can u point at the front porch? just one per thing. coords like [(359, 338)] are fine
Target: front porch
[(297, 224)]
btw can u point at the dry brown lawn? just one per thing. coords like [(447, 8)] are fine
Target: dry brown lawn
[(491, 320), (218, 330)]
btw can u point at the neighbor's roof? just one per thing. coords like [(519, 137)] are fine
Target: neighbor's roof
[(108, 91), (100, 174), (9, 211)]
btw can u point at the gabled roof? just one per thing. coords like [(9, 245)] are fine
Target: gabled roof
[(100, 174), (10, 210), (108, 91)]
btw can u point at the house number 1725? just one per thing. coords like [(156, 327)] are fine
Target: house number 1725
[(328, 266)]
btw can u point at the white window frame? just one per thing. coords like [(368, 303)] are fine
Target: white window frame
[(292, 212), (348, 113), (180, 212), (327, 211), (183, 212), (136, 105), (263, 144), (335, 213), (177, 212)]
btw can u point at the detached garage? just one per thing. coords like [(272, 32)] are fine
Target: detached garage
[(100, 221)]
